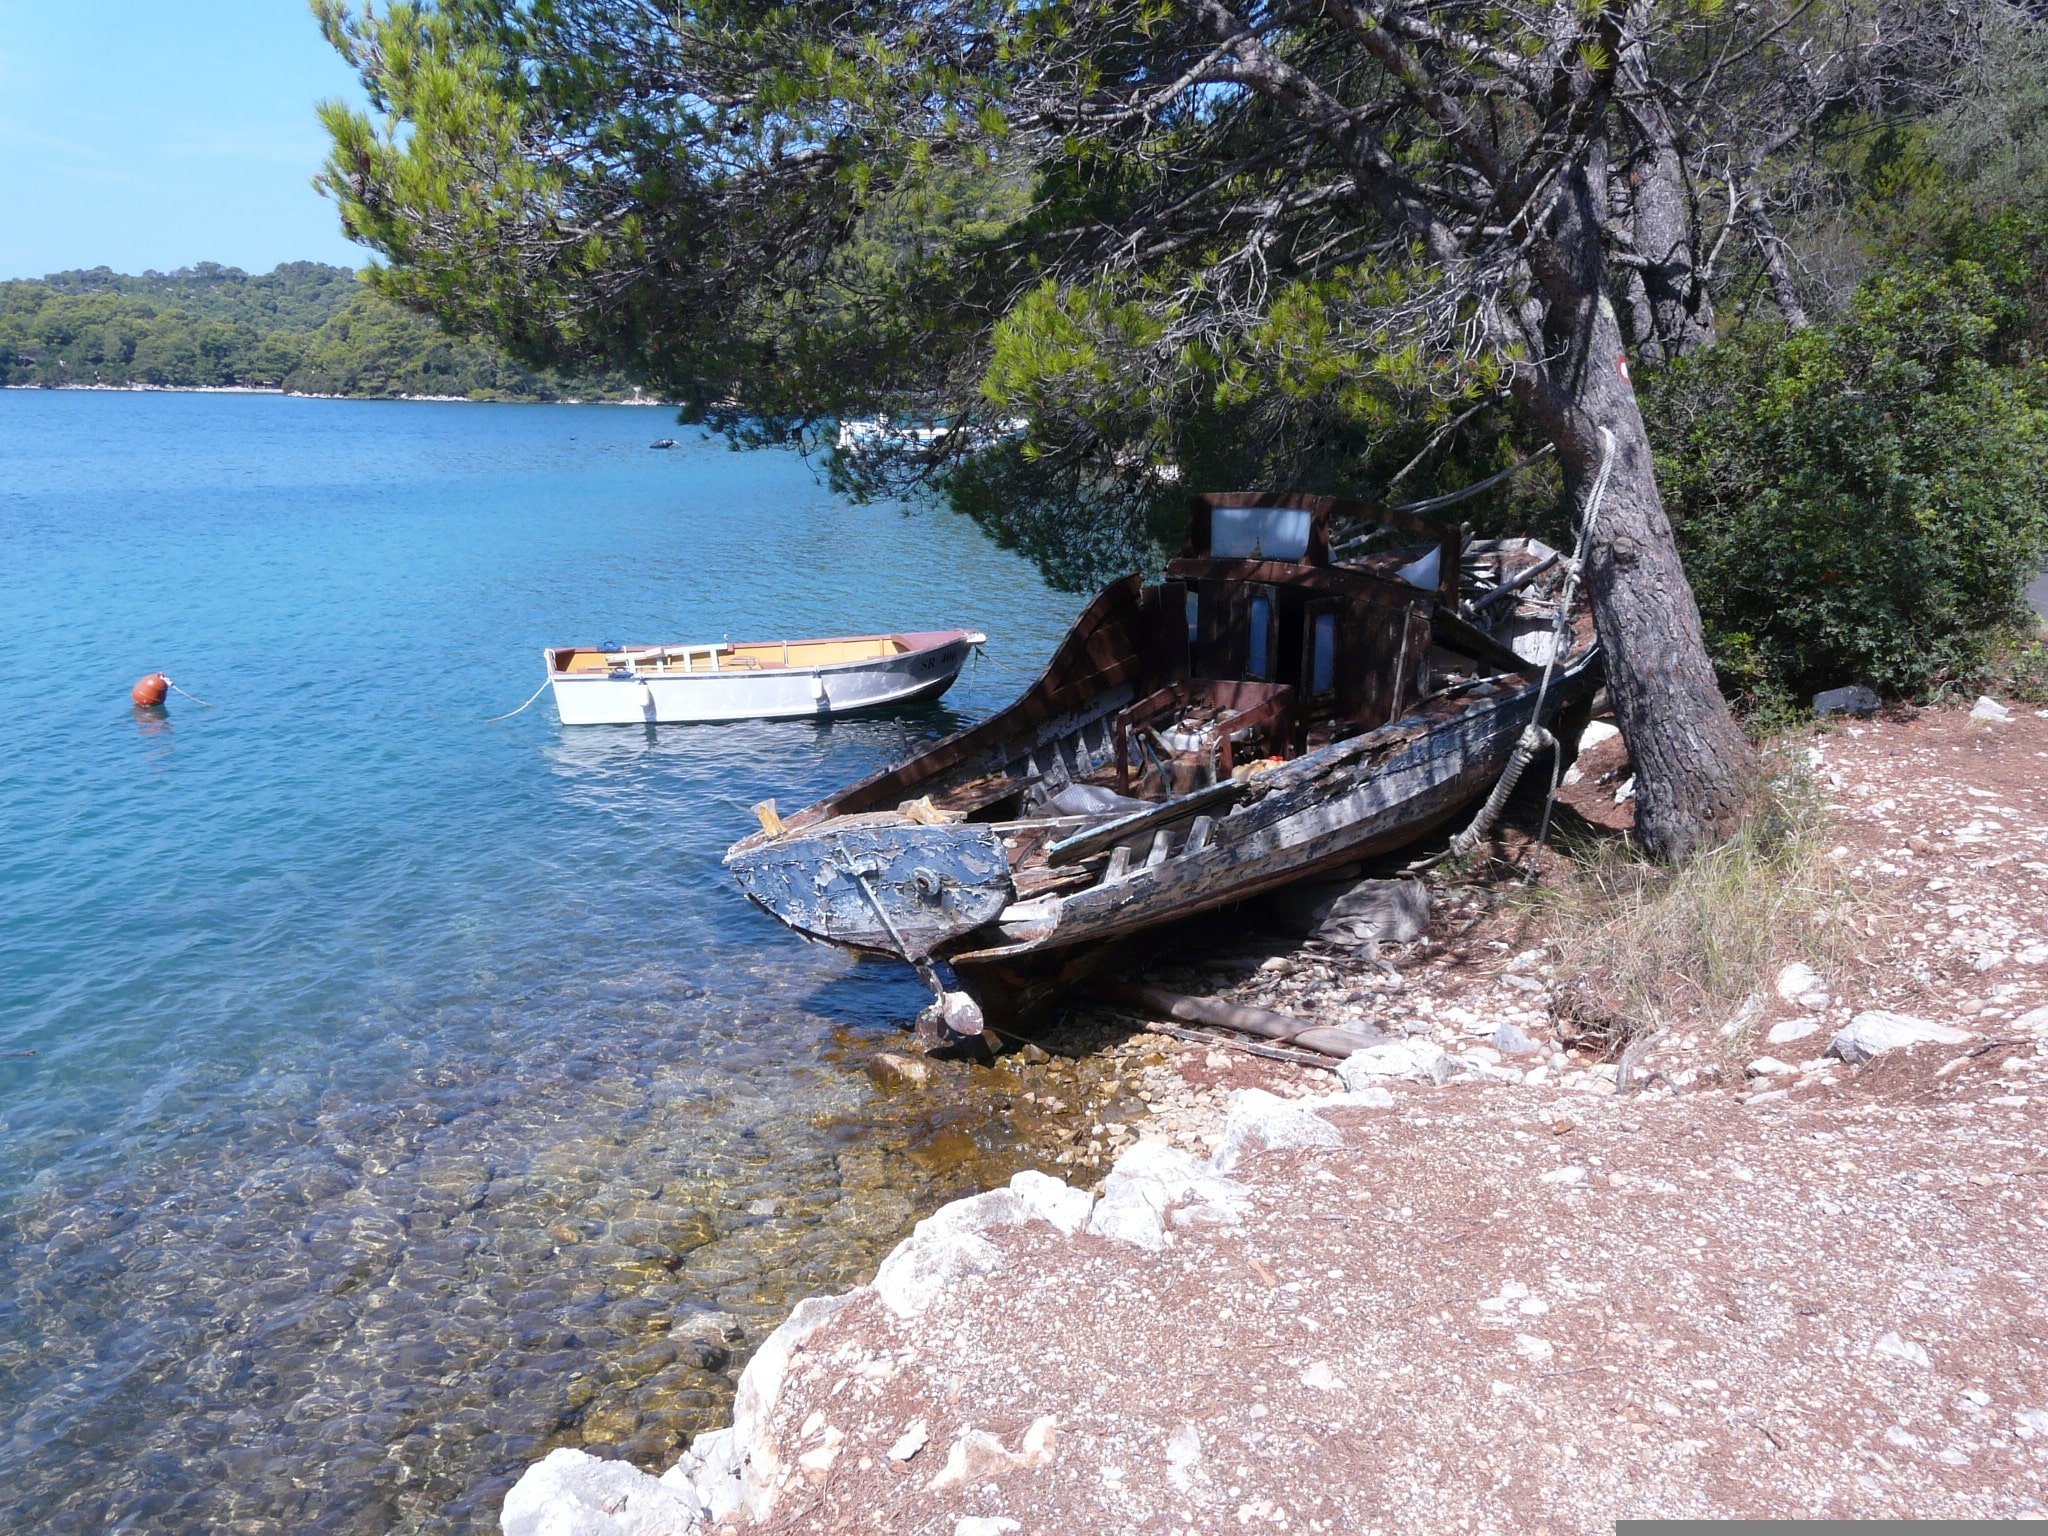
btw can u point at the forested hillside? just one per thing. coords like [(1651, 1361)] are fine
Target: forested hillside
[(305, 327)]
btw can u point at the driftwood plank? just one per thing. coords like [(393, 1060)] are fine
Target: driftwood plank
[(1324, 1039)]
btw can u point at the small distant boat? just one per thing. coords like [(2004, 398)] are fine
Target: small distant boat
[(775, 680)]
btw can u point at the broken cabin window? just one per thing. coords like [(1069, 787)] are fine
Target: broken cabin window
[(1257, 660), (1260, 533), (1194, 615), (1322, 676)]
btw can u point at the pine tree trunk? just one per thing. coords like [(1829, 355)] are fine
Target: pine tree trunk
[(1681, 310), (1694, 767)]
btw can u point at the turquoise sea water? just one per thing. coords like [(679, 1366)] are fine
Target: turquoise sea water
[(400, 1081)]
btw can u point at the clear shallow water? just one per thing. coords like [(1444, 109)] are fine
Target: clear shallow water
[(409, 1092)]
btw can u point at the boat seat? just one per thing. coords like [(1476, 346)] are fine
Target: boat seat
[(1196, 722)]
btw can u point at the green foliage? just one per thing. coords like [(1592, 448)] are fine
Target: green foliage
[(1863, 501), (1078, 528), (2020, 672), (305, 327), (1128, 409)]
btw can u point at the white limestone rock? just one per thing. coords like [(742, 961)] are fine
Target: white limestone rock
[(1792, 1029), (1417, 1059), (1800, 983), (1988, 708), (1264, 1119), (753, 1453), (572, 1493), (1510, 1041), (1149, 1179), (1048, 1199), (709, 1471), (1873, 1033), (945, 1246), (978, 1456), (1893, 1347), (1374, 1097), (916, 1434)]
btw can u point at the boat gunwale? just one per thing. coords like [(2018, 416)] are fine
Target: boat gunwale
[(1255, 816)]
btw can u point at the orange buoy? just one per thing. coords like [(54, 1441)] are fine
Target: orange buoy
[(151, 690)]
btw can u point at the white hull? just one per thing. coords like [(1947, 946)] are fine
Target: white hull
[(792, 693)]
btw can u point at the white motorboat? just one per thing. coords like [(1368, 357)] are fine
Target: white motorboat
[(775, 680)]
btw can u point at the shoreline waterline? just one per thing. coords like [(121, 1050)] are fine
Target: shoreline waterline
[(300, 394)]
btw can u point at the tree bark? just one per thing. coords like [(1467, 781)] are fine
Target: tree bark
[(1694, 767), (1681, 311), (1772, 249)]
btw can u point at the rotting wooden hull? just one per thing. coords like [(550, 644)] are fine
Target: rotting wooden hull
[(1255, 718), (949, 892), (1376, 794)]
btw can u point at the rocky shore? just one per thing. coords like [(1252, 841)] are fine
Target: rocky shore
[(1782, 1262)]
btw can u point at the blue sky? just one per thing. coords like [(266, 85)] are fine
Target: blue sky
[(158, 134)]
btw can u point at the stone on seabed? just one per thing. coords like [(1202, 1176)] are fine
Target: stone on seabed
[(891, 1069)]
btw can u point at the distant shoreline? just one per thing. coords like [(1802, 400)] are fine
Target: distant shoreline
[(300, 394)]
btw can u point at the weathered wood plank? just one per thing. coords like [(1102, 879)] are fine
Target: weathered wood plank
[(1095, 839)]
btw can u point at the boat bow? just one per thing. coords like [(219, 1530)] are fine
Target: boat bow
[(898, 887)]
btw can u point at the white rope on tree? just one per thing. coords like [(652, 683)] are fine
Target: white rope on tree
[(1534, 737)]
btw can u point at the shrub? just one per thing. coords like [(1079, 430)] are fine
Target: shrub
[(1702, 942), (1863, 501)]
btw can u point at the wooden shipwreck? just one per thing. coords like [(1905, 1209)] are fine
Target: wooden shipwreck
[(1273, 709)]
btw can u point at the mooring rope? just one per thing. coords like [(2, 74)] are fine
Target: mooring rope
[(543, 688), (192, 696), (1534, 737)]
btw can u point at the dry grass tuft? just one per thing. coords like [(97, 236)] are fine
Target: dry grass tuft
[(1647, 947)]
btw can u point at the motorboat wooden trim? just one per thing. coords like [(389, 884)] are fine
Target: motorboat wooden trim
[(1264, 712), (772, 680)]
